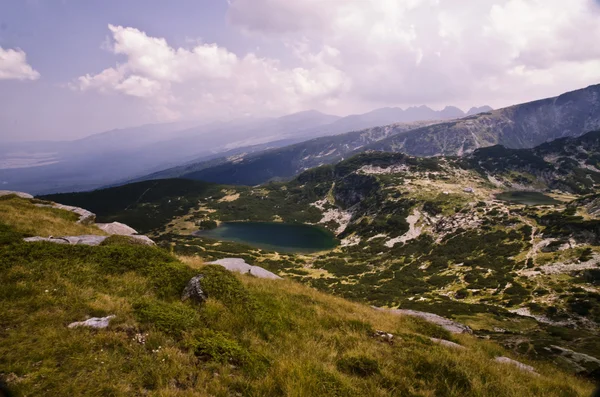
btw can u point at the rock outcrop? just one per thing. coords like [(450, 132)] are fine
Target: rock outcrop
[(18, 194), (447, 324), (581, 363), (240, 266), (521, 366), (446, 343), (117, 228), (94, 322), (87, 239), (193, 290)]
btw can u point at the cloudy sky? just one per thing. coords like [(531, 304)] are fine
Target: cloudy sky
[(70, 68)]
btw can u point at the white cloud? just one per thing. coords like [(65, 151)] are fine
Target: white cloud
[(208, 80), (440, 51), (14, 66), (355, 55)]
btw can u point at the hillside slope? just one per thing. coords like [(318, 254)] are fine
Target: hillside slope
[(521, 126), (288, 161), (251, 337)]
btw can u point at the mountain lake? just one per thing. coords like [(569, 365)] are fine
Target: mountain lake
[(281, 237), (527, 198)]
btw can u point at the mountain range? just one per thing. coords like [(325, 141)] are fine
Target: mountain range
[(520, 126), (124, 154)]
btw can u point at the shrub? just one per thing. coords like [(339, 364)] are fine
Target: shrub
[(219, 347), (224, 286), (169, 279), (121, 240), (172, 318), (586, 255), (8, 235), (207, 225), (358, 365)]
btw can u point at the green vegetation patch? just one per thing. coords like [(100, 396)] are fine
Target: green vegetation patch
[(358, 365)]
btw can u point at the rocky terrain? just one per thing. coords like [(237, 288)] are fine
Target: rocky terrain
[(521, 126)]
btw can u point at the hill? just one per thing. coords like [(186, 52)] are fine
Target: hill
[(521, 126), (250, 337)]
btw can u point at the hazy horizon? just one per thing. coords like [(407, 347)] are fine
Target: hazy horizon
[(72, 69), (199, 122)]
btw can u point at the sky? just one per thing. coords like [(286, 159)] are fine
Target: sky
[(70, 68)]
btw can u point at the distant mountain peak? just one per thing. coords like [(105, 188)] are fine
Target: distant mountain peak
[(476, 110)]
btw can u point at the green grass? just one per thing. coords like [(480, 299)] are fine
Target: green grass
[(25, 218), (252, 337)]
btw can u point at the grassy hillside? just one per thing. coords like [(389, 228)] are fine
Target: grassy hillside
[(30, 220), (251, 338)]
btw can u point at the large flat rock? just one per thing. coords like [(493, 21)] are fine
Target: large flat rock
[(19, 194), (510, 361), (240, 266), (87, 239), (447, 324), (118, 228)]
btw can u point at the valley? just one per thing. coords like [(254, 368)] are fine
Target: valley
[(426, 234)]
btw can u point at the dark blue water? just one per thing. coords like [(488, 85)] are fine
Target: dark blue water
[(527, 198), (281, 237)]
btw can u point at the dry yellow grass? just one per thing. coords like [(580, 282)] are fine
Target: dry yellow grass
[(26, 218)]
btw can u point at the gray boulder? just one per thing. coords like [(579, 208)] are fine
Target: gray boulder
[(118, 228), (19, 194), (240, 266), (56, 240), (521, 366), (446, 343), (143, 239), (88, 239), (193, 290), (94, 322), (581, 363)]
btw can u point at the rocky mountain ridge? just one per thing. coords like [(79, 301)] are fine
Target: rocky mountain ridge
[(520, 126)]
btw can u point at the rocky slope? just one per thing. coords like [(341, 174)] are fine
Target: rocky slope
[(520, 126), (567, 164)]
